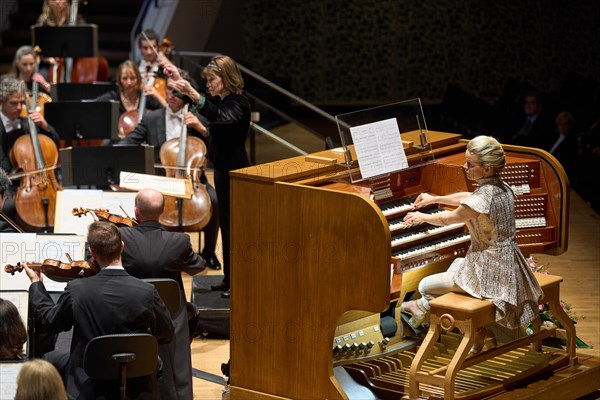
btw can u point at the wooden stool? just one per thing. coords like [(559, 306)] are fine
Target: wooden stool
[(454, 310)]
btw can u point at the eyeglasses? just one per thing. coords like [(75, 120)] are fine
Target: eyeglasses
[(214, 66)]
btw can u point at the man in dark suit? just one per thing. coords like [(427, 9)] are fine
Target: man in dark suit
[(152, 252), (537, 128), (156, 128), (12, 127), (109, 302)]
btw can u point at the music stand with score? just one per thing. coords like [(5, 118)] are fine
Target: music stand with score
[(75, 120)]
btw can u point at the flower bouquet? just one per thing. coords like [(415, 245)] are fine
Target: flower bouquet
[(546, 316)]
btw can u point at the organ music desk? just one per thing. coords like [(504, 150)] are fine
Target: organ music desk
[(320, 266)]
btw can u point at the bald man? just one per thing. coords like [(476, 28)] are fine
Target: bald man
[(153, 252)]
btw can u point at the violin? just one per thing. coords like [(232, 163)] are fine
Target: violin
[(59, 271), (106, 216), (185, 154), (35, 199)]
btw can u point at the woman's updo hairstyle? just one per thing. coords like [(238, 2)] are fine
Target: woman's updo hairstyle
[(489, 152)]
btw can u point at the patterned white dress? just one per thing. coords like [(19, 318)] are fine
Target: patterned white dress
[(494, 268)]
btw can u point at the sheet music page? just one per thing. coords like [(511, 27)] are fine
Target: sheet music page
[(166, 185), (379, 147), (8, 380), (18, 247), (68, 199)]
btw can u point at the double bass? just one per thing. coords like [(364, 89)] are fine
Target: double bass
[(35, 155), (184, 157)]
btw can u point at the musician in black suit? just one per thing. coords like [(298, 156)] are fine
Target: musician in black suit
[(155, 129), (109, 302), (12, 127), (152, 252)]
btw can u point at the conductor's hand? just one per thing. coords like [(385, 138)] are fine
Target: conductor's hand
[(423, 200), (184, 87), (171, 71), (35, 275)]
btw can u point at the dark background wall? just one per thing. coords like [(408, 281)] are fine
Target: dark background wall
[(335, 52)]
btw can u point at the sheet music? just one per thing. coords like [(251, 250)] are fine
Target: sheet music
[(379, 147), (17, 247), (68, 199), (8, 379), (166, 185)]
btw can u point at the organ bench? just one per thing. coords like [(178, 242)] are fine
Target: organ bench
[(455, 310)]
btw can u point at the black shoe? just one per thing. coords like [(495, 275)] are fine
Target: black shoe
[(212, 261), (220, 286), (226, 294)]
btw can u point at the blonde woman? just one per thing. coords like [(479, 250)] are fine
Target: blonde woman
[(57, 13), (39, 380), (493, 268)]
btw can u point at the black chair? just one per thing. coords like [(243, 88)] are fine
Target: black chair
[(121, 357), (168, 289)]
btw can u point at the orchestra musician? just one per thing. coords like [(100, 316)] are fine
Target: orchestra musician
[(152, 59), (161, 125), (130, 90), (12, 330), (229, 117), (56, 13), (13, 126), (153, 252), (88, 305), (23, 68), (494, 268)]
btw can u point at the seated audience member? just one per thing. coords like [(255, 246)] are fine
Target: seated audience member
[(536, 130), (565, 146), (110, 302), (39, 380), (12, 332)]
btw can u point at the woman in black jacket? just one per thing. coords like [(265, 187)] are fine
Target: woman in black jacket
[(229, 118)]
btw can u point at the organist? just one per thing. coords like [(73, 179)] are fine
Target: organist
[(494, 268)]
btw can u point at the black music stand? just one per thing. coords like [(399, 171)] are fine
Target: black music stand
[(76, 120), (101, 166), (66, 41), (80, 91)]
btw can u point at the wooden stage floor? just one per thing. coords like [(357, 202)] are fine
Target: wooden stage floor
[(579, 266)]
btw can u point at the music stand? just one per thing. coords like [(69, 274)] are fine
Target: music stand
[(80, 91), (83, 120), (66, 41), (101, 166)]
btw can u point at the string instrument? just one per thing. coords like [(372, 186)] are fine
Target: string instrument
[(106, 216), (160, 82), (82, 69), (59, 271), (129, 119), (40, 99), (188, 155), (35, 199)]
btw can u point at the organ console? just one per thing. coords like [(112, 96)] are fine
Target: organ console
[(320, 264)]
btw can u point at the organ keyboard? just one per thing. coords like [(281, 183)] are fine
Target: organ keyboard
[(321, 264)]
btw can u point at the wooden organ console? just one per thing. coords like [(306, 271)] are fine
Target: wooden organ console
[(320, 265)]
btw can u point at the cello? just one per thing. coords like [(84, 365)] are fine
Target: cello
[(42, 98), (35, 155), (186, 156), (82, 69)]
